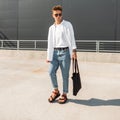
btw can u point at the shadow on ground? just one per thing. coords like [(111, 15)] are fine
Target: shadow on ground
[(96, 102)]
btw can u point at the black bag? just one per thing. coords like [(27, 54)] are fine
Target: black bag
[(76, 77)]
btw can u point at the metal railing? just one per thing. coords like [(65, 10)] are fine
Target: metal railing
[(23, 44), (98, 45), (82, 45)]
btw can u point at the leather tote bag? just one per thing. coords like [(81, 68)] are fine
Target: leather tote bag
[(76, 77)]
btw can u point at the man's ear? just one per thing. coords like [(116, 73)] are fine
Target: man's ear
[(52, 15)]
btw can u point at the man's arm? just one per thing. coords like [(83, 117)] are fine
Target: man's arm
[(49, 46), (74, 51)]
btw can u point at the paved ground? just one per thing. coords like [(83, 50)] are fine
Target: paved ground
[(25, 87)]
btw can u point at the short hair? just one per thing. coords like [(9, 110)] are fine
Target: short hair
[(57, 7)]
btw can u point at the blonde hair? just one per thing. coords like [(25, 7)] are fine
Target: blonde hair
[(57, 7)]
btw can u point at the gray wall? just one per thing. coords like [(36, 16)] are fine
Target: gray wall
[(35, 18), (92, 19), (30, 19), (8, 18), (118, 20)]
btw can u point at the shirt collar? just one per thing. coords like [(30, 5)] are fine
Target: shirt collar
[(60, 23)]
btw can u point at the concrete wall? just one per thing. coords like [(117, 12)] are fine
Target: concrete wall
[(30, 19)]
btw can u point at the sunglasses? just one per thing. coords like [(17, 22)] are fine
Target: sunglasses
[(56, 15)]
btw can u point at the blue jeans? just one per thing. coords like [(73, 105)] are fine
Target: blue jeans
[(60, 58)]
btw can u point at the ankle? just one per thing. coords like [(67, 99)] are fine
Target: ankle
[(56, 90), (64, 94)]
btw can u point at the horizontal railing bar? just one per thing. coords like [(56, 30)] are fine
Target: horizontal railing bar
[(76, 40), (93, 45)]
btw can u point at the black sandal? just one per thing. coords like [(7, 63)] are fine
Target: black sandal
[(52, 99), (62, 99)]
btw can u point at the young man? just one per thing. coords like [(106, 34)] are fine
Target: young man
[(61, 48)]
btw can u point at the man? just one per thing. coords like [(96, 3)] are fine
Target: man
[(61, 48)]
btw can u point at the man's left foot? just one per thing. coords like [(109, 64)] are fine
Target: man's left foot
[(62, 99)]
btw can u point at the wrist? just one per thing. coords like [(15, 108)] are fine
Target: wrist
[(74, 50)]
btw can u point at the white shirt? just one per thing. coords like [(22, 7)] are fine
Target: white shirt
[(61, 35)]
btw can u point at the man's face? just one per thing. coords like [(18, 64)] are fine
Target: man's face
[(57, 15)]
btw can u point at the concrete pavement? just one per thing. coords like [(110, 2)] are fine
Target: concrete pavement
[(25, 88)]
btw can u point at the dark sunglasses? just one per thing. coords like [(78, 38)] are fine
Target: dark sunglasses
[(56, 15)]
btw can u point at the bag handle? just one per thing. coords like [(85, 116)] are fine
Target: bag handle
[(75, 66)]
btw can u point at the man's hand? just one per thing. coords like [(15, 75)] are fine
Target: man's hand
[(74, 55), (47, 61)]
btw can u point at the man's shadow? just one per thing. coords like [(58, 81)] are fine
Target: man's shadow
[(96, 102)]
